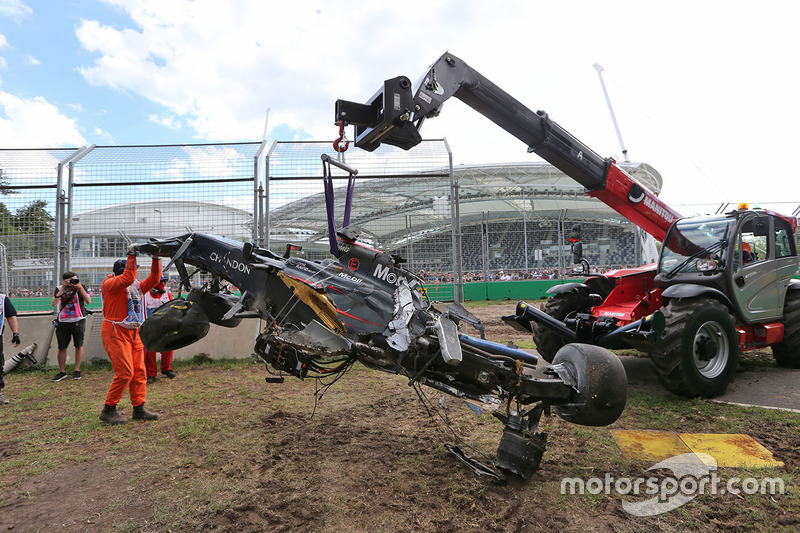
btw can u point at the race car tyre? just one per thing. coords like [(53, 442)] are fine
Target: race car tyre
[(600, 382), (176, 324)]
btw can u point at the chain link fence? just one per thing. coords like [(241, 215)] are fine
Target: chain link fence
[(79, 209), (403, 203)]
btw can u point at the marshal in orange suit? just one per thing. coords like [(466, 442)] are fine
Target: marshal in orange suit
[(123, 313)]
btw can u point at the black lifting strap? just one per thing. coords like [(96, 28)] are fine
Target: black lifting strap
[(475, 465)]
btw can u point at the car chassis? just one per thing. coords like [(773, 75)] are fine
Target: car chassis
[(320, 317)]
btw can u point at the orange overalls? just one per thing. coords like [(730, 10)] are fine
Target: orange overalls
[(123, 345)]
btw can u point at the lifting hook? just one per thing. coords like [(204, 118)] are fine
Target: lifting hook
[(337, 144)]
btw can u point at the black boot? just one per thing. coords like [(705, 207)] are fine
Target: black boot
[(140, 413), (111, 416)]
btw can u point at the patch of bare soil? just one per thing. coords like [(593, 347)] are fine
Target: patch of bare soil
[(495, 329), (76, 497), (368, 457)]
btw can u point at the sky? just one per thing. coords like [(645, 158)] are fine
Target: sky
[(707, 92)]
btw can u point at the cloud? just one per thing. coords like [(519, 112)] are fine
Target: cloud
[(211, 161), (77, 106), (168, 121), (218, 64), (30, 60), (35, 122), (14, 9), (102, 134)]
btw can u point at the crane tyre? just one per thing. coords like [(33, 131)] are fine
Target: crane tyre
[(700, 348), (600, 381), (559, 306), (787, 352)]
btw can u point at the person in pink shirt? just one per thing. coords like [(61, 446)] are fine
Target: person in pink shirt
[(70, 301)]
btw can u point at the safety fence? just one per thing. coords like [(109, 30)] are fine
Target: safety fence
[(79, 209), (402, 202), (454, 227)]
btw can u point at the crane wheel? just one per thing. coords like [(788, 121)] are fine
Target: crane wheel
[(559, 306), (601, 383), (700, 348), (787, 352)]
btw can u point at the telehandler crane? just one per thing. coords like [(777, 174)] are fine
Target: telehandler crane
[(723, 284)]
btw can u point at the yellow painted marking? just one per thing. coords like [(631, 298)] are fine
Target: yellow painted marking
[(649, 445), (733, 450), (730, 449)]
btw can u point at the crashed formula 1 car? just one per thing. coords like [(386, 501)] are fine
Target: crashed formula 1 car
[(319, 317)]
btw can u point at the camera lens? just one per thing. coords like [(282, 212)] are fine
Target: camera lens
[(74, 281)]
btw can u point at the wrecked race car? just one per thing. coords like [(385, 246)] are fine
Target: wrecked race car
[(320, 317)]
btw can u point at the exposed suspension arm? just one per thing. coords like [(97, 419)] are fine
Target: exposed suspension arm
[(396, 112)]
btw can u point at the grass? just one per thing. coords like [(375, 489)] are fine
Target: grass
[(233, 453)]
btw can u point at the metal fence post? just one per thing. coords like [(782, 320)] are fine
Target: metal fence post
[(4, 266), (266, 196), (561, 217), (60, 233), (455, 213), (69, 205), (257, 191)]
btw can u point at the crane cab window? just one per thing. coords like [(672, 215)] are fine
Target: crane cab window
[(784, 239), (753, 242)]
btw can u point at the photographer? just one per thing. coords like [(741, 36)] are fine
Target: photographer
[(70, 300)]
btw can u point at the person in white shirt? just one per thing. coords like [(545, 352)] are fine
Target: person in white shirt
[(153, 299)]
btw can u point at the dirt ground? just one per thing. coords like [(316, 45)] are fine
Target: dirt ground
[(368, 457)]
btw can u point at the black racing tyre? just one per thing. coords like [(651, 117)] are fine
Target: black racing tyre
[(215, 305), (559, 306), (175, 324), (601, 383), (787, 352), (700, 348)]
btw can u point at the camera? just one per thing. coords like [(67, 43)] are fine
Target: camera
[(74, 281)]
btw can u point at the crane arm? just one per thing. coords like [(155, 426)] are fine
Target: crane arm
[(397, 111)]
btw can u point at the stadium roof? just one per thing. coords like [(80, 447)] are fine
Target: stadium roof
[(391, 209), (163, 218)]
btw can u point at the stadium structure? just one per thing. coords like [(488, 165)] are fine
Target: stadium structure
[(508, 217), (101, 235), (447, 222), (512, 217)]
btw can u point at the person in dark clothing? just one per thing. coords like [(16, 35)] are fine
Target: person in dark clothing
[(9, 314)]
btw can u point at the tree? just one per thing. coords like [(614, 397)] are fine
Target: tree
[(4, 188), (34, 218), (25, 235), (35, 226), (6, 221)]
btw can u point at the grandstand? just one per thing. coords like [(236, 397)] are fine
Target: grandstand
[(510, 217), (452, 222)]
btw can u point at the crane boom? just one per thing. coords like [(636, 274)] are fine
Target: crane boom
[(397, 111)]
